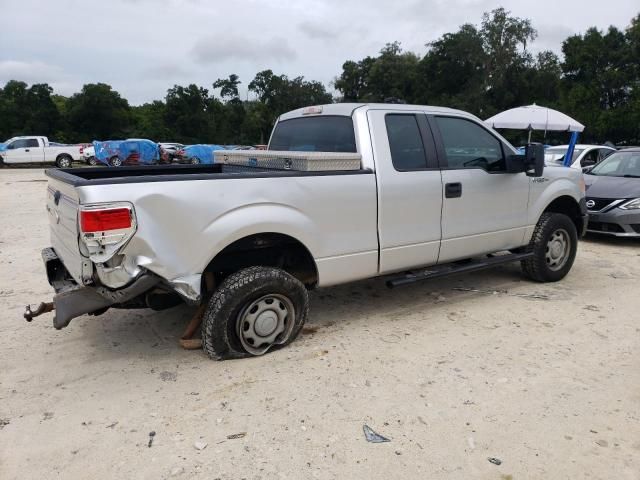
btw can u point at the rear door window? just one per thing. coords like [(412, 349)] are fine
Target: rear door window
[(315, 134), (405, 142)]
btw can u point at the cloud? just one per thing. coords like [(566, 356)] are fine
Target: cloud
[(316, 31), (166, 71), (37, 72), (229, 46), (550, 37)]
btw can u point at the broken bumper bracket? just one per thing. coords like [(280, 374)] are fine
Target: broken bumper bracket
[(72, 300)]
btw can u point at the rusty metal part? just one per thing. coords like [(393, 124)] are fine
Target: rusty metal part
[(186, 340), (191, 343), (44, 307), (195, 322)]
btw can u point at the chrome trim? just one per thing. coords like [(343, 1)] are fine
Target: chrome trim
[(609, 206)]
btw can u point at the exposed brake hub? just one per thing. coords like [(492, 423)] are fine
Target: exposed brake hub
[(44, 307)]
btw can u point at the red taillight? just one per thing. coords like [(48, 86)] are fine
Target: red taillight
[(81, 150), (103, 220)]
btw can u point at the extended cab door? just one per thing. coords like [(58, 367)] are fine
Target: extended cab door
[(409, 189), (22, 150), (484, 208)]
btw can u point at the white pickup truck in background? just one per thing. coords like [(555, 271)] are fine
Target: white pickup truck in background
[(36, 149), (410, 193)]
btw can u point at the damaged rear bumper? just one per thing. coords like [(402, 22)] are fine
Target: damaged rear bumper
[(72, 300)]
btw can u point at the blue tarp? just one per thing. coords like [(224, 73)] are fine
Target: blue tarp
[(204, 153), (130, 152), (3, 147)]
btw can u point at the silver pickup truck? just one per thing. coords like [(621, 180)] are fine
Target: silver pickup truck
[(435, 192)]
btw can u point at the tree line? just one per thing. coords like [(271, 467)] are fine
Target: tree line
[(483, 69)]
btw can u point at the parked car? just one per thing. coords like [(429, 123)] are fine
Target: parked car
[(89, 155), (583, 155), (195, 154), (613, 194), (400, 195), (36, 149), (168, 150), (133, 151)]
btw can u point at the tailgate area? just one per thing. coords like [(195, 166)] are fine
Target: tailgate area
[(62, 207)]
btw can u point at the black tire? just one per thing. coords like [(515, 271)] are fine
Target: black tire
[(92, 161), (115, 161), (194, 161), (64, 161), (227, 309), (542, 266)]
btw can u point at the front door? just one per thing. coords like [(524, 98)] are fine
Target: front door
[(19, 151), (409, 189), (484, 208)]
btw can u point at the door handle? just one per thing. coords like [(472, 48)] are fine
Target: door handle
[(453, 190), (26, 149)]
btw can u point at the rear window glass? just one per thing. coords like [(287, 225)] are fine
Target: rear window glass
[(314, 134)]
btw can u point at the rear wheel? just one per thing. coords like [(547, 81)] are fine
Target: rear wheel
[(554, 244), (254, 310), (195, 160), (115, 162), (92, 161), (64, 161)]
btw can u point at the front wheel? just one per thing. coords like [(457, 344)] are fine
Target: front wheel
[(115, 162), (195, 161), (254, 310), (92, 161), (554, 244)]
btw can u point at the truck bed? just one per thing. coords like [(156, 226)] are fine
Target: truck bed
[(78, 177)]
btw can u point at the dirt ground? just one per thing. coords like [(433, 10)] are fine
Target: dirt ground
[(543, 377)]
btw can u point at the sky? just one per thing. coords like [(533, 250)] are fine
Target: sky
[(144, 47)]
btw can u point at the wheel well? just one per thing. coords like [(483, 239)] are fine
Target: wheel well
[(63, 155), (268, 250), (568, 206)]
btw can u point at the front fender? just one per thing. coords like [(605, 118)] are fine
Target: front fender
[(548, 188)]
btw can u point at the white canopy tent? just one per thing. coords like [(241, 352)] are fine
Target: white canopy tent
[(536, 117)]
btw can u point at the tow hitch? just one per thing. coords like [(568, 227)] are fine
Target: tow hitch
[(44, 307)]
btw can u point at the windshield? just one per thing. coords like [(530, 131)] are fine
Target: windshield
[(555, 155), (619, 164), (314, 134)]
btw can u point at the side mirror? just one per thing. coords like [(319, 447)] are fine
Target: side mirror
[(587, 169), (534, 159)]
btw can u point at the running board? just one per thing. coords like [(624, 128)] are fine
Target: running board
[(455, 268)]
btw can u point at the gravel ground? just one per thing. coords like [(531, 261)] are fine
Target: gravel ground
[(543, 377)]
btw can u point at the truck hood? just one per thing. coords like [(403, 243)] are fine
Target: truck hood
[(612, 187)]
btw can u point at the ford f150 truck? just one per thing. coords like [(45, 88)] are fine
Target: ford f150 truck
[(435, 192), (39, 150)]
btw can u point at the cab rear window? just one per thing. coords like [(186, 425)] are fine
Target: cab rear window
[(314, 134)]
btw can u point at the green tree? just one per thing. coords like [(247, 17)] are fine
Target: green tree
[(150, 121), (453, 70), (97, 113), (278, 94), (189, 112), (353, 82), (228, 87), (599, 84), (505, 40), (13, 109)]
